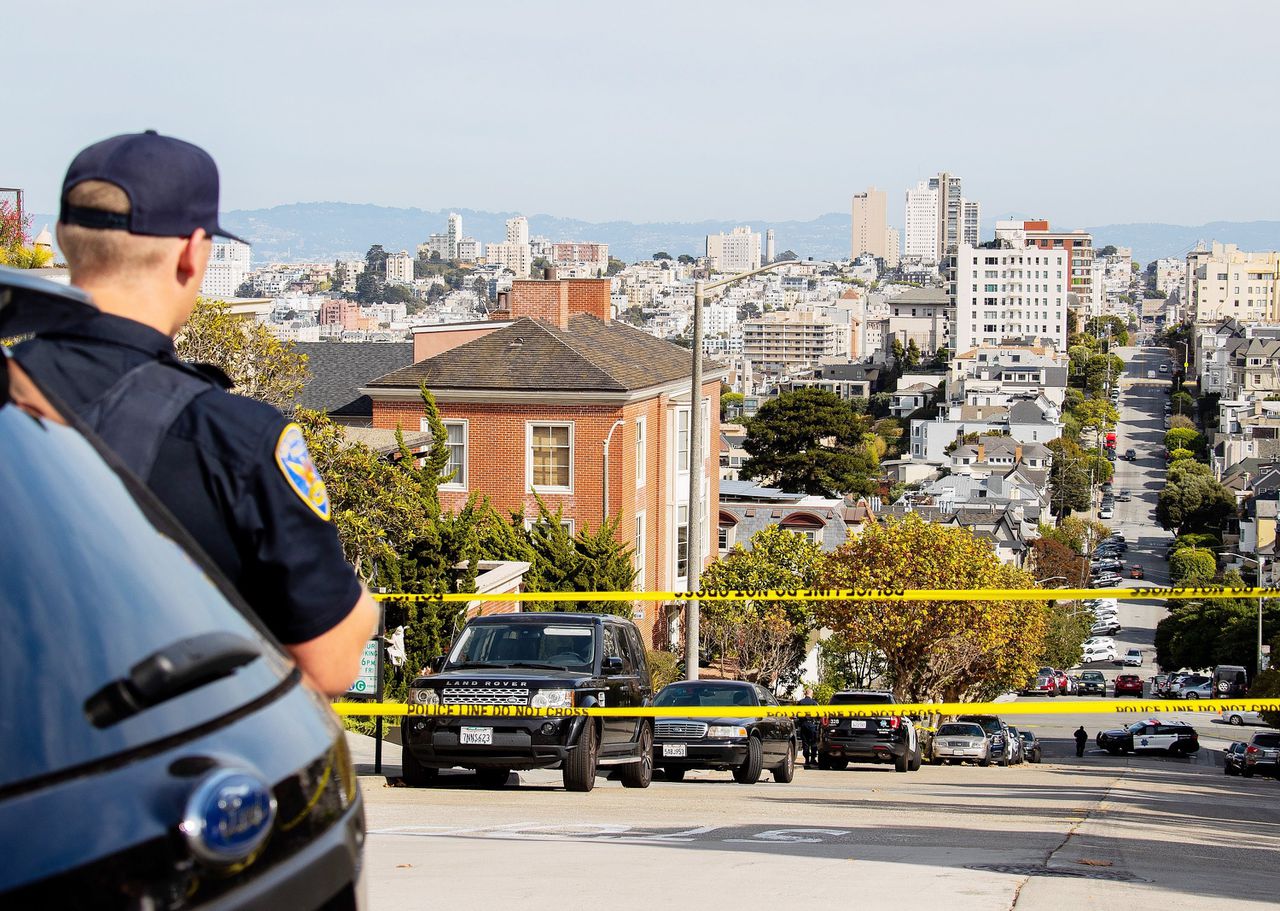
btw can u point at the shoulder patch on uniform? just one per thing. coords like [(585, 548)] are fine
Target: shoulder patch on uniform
[(300, 472)]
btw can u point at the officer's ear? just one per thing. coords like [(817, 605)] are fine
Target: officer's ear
[(193, 258)]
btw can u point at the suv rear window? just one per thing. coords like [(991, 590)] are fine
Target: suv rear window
[(989, 723), (92, 588), (1266, 740), (862, 699)]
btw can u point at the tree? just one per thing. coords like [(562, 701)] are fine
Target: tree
[(1053, 560), (615, 266), (845, 664), (1096, 416), (748, 310), (1192, 566), (1065, 632), (1102, 370), (1192, 499), (935, 650), (787, 256), (1076, 533), (912, 359), (1112, 327), (810, 440), (662, 255), (1184, 438), (685, 259), (1108, 250), (764, 641), (1068, 477), (1203, 633), (260, 365), (1182, 403)]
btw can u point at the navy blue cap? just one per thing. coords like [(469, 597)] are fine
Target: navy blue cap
[(172, 186)]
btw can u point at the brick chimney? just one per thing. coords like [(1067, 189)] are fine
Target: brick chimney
[(982, 452), (554, 300)]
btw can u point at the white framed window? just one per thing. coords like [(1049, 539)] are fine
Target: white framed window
[(640, 548), (682, 439), (642, 450), (549, 456), (682, 541), (457, 443)]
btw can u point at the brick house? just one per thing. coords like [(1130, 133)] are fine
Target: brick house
[(555, 397)]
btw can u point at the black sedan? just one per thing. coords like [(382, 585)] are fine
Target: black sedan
[(1233, 758), (744, 746)]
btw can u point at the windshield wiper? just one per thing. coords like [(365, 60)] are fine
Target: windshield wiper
[(535, 664), (173, 670)]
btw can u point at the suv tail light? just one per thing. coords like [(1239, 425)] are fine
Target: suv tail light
[(894, 723), (1251, 750), (826, 722)]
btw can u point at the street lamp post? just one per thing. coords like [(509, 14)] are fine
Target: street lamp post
[(694, 526), (1258, 562)]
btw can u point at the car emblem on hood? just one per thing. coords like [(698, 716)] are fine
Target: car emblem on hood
[(228, 816)]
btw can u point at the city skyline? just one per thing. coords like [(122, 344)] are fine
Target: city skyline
[(607, 130)]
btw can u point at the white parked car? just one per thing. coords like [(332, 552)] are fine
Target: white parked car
[(1096, 642), (1133, 658)]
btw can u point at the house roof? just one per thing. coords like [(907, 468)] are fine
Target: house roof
[(339, 369), (590, 355)]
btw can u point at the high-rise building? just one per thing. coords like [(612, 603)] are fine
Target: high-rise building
[(921, 242), (514, 253), (453, 234), (892, 248), (1008, 290), (770, 252), (939, 219), (228, 265), (738, 251), (971, 230), (868, 234)]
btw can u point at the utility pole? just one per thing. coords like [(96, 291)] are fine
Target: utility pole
[(694, 531)]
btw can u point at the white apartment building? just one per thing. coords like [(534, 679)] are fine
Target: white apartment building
[(453, 234), (1225, 281), (921, 244), (790, 338), (1077, 244), (738, 251), (400, 267), (515, 253), (971, 227), (469, 250), (923, 316), (228, 266), (719, 318), (869, 228), (1009, 292)]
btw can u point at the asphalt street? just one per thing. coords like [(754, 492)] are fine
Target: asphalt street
[(1068, 833)]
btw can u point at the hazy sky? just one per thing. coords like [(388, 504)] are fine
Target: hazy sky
[(1090, 113)]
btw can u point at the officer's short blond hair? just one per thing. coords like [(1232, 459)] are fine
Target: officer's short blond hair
[(98, 254)]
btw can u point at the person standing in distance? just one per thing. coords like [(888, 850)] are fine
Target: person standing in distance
[(137, 215), (1082, 737), (809, 731)]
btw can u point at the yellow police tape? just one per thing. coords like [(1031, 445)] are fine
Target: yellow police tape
[(879, 710), (1153, 593)]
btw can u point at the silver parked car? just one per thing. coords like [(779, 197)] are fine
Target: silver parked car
[(961, 741)]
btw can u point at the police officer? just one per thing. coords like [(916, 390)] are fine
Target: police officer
[(137, 215), (809, 731)]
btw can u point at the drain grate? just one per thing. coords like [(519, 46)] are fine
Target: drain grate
[(1041, 870)]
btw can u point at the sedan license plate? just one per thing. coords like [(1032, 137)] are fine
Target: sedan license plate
[(480, 736), (857, 723), (674, 750)]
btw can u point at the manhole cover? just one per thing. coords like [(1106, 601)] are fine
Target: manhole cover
[(1041, 870)]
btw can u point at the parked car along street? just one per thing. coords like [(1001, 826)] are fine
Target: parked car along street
[(1173, 737), (744, 746), (958, 742)]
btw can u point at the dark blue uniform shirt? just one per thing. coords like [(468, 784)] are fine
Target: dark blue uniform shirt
[(230, 469)]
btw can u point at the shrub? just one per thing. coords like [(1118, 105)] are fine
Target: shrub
[(663, 668)]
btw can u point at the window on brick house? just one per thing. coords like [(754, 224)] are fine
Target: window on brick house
[(550, 456), (457, 443), (638, 554), (682, 440), (642, 450), (682, 542)]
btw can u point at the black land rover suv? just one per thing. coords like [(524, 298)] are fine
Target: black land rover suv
[(157, 749), (867, 739), (542, 660)]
